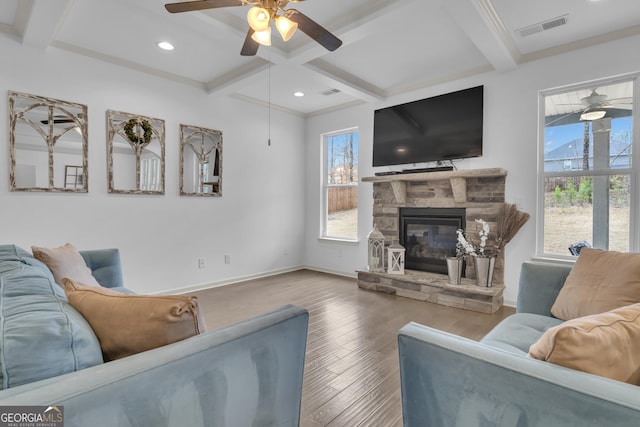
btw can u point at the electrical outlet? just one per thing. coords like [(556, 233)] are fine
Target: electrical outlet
[(340, 253), (227, 259), (200, 262), (285, 252)]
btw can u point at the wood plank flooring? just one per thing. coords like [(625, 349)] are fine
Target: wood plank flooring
[(351, 370)]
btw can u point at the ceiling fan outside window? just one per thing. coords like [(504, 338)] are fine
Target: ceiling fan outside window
[(260, 16), (611, 101)]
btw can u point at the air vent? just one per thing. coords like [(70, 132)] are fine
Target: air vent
[(330, 92), (554, 23), (543, 26)]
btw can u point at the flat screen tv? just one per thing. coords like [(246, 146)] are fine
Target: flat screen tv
[(444, 127)]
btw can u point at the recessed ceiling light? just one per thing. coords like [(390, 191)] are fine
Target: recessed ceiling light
[(298, 94), (165, 46)]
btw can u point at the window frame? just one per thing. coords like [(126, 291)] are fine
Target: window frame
[(634, 171), (324, 186)]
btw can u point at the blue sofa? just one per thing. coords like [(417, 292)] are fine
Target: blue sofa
[(247, 374), (447, 380)]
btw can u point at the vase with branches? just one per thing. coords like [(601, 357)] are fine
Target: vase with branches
[(509, 221)]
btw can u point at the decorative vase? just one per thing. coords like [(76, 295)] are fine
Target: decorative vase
[(454, 270), (484, 270)]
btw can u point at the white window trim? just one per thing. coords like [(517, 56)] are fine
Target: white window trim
[(323, 183), (634, 203)]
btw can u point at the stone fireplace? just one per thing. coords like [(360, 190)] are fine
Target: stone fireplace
[(456, 199)]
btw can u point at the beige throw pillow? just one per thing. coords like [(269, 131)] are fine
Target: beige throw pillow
[(65, 261), (605, 344), (599, 281), (126, 324)]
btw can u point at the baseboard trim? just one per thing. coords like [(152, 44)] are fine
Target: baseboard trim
[(352, 275), (229, 281)]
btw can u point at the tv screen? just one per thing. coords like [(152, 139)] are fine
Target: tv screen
[(445, 127)]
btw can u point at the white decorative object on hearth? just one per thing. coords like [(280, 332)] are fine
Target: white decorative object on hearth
[(375, 241), (395, 263)]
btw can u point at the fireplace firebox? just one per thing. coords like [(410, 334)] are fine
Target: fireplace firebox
[(429, 236)]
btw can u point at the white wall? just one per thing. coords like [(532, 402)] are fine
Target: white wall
[(510, 142), (259, 217), (271, 199)]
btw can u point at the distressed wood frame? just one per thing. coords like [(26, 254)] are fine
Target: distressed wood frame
[(116, 121), (56, 109), (187, 133)]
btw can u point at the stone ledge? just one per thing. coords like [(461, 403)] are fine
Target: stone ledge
[(435, 288), (458, 181)]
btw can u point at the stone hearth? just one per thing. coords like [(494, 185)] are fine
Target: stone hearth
[(480, 191), (435, 288)]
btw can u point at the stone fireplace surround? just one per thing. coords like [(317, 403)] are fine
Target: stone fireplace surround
[(480, 191)]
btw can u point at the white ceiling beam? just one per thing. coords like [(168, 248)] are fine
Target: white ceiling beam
[(484, 27), (236, 79), (347, 83), (230, 82), (350, 30), (15, 29), (43, 22)]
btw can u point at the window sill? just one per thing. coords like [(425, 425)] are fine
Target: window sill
[(345, 241), (553, 260)]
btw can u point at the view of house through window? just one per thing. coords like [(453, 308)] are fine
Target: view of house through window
[(340, 182), (587, 177)]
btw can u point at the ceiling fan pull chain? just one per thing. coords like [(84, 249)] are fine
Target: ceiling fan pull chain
[(269, 96)]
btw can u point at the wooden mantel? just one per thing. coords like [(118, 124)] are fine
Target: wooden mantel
[(457, 178)]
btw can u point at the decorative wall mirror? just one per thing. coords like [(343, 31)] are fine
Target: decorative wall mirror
[(47, 144), (136, 153), (200, 161)]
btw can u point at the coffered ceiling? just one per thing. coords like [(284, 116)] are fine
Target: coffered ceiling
[(389, 46)]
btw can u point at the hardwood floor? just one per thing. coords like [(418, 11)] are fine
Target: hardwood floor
[(351, 371)]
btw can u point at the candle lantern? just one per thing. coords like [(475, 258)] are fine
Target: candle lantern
[(375, 241), (395, 263)]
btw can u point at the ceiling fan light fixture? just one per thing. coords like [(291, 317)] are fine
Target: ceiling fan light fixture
[(259, 18), (593, 114), (263, 37), (286, 27)]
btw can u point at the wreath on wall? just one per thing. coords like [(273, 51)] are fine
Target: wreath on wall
[(134, 136)]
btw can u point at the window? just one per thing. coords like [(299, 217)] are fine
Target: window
[(340, 185), (588, 178)]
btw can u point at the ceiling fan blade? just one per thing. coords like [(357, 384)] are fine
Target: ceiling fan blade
[(314, 30), (188, 6), (250, 46), (57, 121)]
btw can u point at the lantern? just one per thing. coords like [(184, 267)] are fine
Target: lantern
[(376, 250), (395, 264)]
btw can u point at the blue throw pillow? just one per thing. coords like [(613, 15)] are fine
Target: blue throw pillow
[(41, 335)]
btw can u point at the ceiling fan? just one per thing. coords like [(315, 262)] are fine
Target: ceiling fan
[(596, 104), (60, 119), (260, 17)]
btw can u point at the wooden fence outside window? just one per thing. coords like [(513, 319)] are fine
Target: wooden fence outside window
[(342, 198)]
